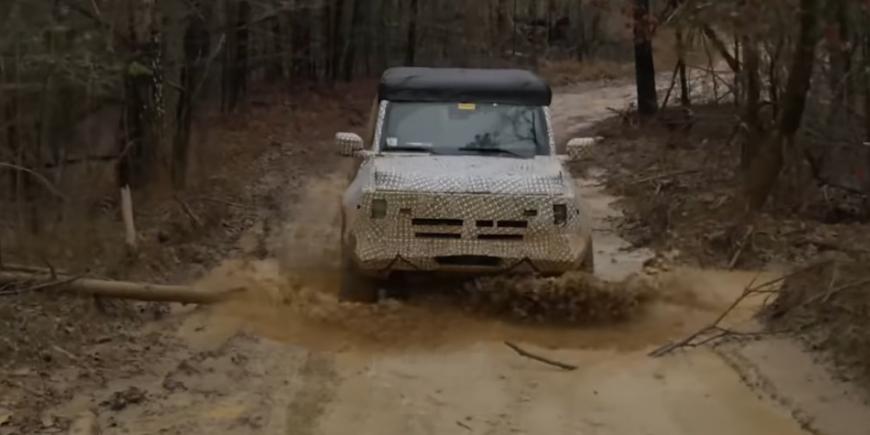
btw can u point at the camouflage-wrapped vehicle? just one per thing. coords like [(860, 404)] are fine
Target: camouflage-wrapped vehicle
[(460, 175)]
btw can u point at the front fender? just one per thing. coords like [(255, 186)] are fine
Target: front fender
[(352, 199)]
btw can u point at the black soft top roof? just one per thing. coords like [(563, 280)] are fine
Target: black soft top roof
[(504, 86)]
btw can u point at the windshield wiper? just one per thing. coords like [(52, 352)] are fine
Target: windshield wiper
[(493, 151)]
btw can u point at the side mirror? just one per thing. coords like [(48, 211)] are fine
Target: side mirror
[(349, 144), (579, 146)]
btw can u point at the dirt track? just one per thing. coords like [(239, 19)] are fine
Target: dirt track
[(289, 359)]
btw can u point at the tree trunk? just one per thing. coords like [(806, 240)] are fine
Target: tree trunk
[(766, 167), (411, 50), (578, 24), (380, 37), (303, 56), (647, 99), (749, 148), (504, 28), (337, 45), (550, 10), (685, 98), (240, 81), (352, 40), (867, 103), (328, 32), (143, 95), (196, 51), (277, 73), (840, 60), (235, 77), (773, 77), (867, 76), (514, 28)]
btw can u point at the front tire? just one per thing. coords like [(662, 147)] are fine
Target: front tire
[(588, 264), (356, 287)]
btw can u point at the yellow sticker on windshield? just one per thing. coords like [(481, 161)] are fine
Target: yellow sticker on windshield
[(468, 106)]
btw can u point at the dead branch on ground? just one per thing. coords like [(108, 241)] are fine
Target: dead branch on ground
[(833, 291), (741, 246), (122, 289), (539, 358), (656, 177), (627, 115), (665, 175), (714, 331), (185, 207), (22, 387), (226, 202), (15, 267)]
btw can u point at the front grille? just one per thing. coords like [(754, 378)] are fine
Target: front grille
[(484, 219), (486, 230), (502, 237), (513, 224), (442, 236), (436, 222)]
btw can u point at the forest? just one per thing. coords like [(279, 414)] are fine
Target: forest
[(97, 95), (172, 244)]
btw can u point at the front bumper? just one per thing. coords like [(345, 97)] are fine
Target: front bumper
[(452, 257), (469, 233)]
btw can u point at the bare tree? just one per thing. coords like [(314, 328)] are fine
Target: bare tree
[(766, 166), (411, 53), (645, 72)]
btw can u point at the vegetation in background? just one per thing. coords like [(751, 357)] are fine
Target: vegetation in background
[(96, 94)]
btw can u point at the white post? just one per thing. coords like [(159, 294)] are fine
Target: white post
[(127, 214)]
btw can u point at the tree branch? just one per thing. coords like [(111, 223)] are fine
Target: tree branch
[(721, 47), (44, 181), (715, 327), (539, 358)]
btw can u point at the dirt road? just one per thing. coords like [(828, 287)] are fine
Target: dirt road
[(289, 359)]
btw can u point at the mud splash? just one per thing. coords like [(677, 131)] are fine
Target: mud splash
[(293, 297), (309, 314)]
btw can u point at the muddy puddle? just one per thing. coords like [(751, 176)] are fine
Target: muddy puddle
[(310, 315), (432, 364), (293, 297), (429, 363)]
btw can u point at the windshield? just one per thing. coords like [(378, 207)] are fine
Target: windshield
[(465, 128)]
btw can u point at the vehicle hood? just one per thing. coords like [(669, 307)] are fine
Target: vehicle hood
[(541, 175)]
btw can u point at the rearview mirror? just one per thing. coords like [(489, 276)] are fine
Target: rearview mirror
[(579, 146), (349, 144)]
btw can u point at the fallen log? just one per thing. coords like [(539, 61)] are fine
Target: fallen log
[(123, 289)]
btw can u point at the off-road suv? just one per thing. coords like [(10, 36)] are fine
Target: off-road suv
[(460, 175)]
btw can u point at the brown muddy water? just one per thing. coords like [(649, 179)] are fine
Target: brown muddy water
[(288, 358), (426, 365)]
